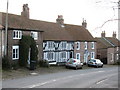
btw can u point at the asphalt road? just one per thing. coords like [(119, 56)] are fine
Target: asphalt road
[(106, 77)]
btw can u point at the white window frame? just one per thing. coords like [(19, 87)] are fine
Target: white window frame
[(34, 35), (51, 56), (112, 57), (117, 56), (92, 55), (50, 44), (16, 52), (78, 56), (93, 45), (63, 45), (77, 45), (17, 34), (86, 45), (63, 55), (117, 49)]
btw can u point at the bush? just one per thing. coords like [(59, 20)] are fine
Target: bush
[(15, 66), (34, 52), (117, 63), (44, 63), (27, 43), (6, 65)]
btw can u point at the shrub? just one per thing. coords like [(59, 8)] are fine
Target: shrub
[(34, 52), (24, 50), (27, 43), (6, 65), (44, 63), (14, 66)]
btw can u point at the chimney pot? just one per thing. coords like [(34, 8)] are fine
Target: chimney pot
[(60, 20), (84, 24), (25, 12), (103, 34), (114, 34)]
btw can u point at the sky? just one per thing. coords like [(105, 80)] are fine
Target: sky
[(101, 15)]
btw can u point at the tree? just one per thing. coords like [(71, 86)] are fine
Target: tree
[(25, 44)]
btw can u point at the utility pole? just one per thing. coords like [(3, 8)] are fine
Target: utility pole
[(6, 31), (119, 19)]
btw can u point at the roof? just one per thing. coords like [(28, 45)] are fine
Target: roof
[(52, 31), (106, 42)]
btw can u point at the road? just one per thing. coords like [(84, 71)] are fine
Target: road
[(106, 77)]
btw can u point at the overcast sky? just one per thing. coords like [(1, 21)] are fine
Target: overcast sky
[(95, 12)]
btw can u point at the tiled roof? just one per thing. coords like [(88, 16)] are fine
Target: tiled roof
[(115, 41), (52, 31), (106, 42)]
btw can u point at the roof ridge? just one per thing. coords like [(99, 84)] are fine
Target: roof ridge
[(108, 41)]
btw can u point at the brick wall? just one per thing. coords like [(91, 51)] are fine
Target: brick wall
[(12, 42), (110, 55), (82, 50)]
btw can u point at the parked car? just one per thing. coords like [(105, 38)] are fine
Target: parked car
[(74, 63), (95, 63)]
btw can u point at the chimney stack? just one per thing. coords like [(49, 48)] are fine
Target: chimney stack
[(103, 34), (60, 20), (25, 12), (84, 24), (114, 34)]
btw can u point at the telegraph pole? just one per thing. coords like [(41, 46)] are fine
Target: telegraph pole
[(6, 31), (119, 19)]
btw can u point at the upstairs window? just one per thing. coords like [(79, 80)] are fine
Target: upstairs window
[(117, 49), (50, 44), (34, 35), (17, 34), (92, 45), (64, 44), (78, 45), (86, 45)]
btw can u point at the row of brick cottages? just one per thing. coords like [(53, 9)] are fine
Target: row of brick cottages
[(56, 42), (108, 48)]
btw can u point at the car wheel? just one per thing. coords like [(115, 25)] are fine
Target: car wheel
[(97, 66), (101, 66), (88, 65), (76, 68), (67, 67), (80, 67)]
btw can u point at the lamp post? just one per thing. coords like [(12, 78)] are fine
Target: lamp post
[(6, 31)]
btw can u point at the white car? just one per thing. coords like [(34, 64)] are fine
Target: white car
[(73, 63), (95, 63)]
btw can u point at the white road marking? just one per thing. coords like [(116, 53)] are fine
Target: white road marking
[(101, 81), (101, 71)]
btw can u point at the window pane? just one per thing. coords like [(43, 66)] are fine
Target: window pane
[(13, 34), (16, 53), (13, 55)]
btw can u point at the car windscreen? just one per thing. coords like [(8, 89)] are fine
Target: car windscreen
[(92, 60)]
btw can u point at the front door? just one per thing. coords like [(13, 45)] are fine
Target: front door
[(71, 54), (85, 58), (29, 56)]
